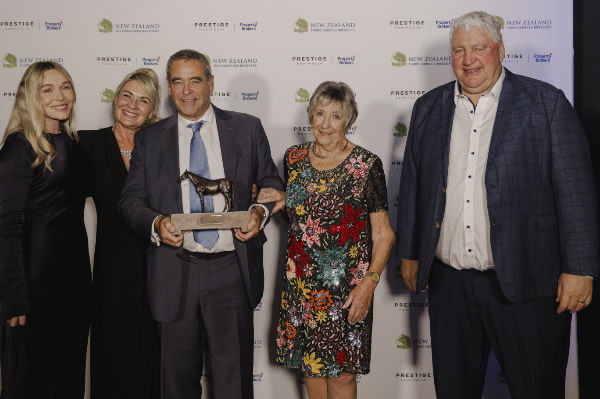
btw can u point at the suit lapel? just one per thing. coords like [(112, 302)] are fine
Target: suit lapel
[(506, 105), (448, 108), (169, 145), (229, 148)]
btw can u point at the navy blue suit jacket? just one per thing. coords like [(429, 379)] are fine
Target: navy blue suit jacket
[(541, 195), (151, 189)]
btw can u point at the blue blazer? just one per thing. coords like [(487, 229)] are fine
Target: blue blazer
[(539, 183), (151, 189)]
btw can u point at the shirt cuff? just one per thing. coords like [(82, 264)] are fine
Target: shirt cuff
[(265, 217), (154, 237)]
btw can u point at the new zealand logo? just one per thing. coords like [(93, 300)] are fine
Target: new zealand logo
[(398, 59), (501, 20), (105, 26), (403, 342), (400, 130), (301, 25), (107, 96), (302, 96), (10, 61)]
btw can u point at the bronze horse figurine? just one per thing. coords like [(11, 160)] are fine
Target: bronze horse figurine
[(210, 187)]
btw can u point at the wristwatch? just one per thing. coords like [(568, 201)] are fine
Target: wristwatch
[(374, 276)]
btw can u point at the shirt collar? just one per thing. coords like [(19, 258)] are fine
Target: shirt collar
[(208, 117), (494, 92)]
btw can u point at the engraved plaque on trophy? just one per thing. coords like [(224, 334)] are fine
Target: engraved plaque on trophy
[(213, 220)]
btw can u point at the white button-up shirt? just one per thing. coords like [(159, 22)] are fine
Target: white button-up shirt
[(465, 231)]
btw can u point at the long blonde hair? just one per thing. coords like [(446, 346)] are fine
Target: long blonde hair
[(28, 116)]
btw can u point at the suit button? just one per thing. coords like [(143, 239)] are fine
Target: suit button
[(178, 255), (437, 225)]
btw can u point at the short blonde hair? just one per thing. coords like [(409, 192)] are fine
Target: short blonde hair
[(148, 80), (28, 116), (337, 93)]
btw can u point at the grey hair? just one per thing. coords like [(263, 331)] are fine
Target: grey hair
[(338, 93), (478, 19), (188, 54)]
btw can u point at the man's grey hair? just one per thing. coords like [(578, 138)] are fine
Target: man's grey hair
[(478, 19), (188, 54)]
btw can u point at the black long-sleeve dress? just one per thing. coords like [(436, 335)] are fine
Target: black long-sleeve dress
[(44, 271), (124, 339)]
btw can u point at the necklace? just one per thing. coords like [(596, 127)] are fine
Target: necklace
[(126, 153), (312, 147)]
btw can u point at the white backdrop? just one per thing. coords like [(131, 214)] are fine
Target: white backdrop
[(267, 57)]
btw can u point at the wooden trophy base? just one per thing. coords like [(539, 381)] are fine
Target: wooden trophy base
[(215, 220)]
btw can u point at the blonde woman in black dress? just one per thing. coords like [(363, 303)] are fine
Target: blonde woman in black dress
[(45, 280), (124, 339)]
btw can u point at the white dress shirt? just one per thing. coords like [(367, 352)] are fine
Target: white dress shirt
[(465, 231)]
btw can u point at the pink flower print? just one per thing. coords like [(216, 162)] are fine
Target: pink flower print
[(311, 231), (356, 167)]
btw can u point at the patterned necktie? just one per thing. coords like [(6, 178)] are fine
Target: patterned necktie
[(199, 166)]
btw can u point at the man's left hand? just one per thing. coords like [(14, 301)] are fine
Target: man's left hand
[(253, 228), (574, 292)]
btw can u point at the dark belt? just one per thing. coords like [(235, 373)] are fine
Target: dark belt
[(207, 255)]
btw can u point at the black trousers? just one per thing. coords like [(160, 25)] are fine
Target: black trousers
[(469, 315), (215, 312)]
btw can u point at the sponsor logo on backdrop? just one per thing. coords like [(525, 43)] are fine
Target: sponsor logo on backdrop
[(302, 26), (542, 57), (258, 343), (52, 26), (400, 130), (400, 60), (234, 62), (107, 96), (410, 306), (526, 23), (415, 376), (9, 61), (116, 60), (107, 26), (20, 25), (222, 96), (346, 60), (406, 342), (304, 130), (310, 60), (501, 20), (302, 96), (250, 96), (408, 23), (406, 94), (351, 130), (443, 23), (151, 61), (9, 95), (258, 307), (258, 377), (214, 26), (12, 61), (248, 26), (514, 58)]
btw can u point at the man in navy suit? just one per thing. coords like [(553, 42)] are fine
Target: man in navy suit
[(498, 219), (202, 287)]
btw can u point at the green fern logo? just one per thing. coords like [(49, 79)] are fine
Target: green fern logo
[(403, 342), (398, 59), (400, 130), (302, 96), (301, 25), (107, 96), (105, 26)]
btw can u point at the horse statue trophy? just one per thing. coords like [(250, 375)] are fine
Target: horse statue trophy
[(215, 220)]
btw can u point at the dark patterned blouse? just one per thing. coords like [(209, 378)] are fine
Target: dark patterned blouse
[(329, 251)]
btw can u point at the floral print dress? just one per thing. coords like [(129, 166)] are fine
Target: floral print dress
[(329, 251)]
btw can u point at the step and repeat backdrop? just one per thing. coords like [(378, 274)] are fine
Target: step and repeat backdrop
[(267, 57)]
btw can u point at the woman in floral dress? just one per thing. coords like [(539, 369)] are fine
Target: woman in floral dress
[(339, 242)]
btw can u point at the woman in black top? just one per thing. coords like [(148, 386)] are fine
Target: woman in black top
[(124, 339), (45, 280)]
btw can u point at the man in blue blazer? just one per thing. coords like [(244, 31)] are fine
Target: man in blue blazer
[(202, 287), (498, 219)]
